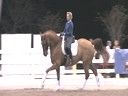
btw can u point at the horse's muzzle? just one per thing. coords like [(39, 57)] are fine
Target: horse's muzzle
[(45, 53)]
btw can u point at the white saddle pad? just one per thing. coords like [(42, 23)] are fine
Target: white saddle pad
[(74, 47)]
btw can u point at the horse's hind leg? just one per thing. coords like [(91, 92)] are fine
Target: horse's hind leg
[(86, 70), (94, 70)]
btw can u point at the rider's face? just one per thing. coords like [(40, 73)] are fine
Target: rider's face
[(68, 17)]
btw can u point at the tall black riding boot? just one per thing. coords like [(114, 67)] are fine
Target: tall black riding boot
[(70, 55)]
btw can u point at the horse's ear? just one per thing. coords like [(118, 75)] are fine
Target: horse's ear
[(40, 33)]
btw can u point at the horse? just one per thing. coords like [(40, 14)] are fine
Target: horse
[(86, 50)]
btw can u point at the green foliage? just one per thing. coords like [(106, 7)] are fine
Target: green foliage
[(27, 16), (17, 14), (52, 22), (114, 21)]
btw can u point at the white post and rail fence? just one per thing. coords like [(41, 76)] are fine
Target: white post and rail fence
[(18, 58), (32, 62)]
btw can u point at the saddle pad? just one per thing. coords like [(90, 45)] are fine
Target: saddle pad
[(74, 47)]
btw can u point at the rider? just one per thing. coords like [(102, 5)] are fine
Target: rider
[(68, 33)]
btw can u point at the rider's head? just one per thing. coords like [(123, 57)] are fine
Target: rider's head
[(69, 16)]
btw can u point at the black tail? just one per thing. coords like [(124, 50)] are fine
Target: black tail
[(99, 47)]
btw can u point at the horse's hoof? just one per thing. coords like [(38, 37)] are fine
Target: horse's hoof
[(98, 87), (42, 86), (81, 89), (57, 89)]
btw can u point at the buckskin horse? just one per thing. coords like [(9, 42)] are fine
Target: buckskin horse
[(85, 53)]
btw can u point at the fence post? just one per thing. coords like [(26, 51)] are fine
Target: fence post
[(32, 40), (0, 56), (74, 70)]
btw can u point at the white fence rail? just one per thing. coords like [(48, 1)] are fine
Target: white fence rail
[(32, 62), (19, 58)]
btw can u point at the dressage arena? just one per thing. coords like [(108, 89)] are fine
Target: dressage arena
[(70, 86), (32, 63)]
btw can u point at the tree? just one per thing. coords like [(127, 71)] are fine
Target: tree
[(52, 22), (28, 16), (17, 14), (115, 21)]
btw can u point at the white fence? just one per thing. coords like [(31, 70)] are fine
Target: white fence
[(19, 59), (23, 62), (32, 62)]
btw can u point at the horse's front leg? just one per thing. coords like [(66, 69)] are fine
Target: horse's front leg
[(54, 66)]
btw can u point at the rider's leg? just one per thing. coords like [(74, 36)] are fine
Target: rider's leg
[(69, 52), (69, 42), (70, 56)]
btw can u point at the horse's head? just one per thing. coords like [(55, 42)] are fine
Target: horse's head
[(44, 43), (49, 39)]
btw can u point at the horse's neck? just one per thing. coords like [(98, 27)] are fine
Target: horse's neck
[(54, 47)]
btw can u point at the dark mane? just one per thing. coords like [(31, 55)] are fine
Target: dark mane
[(52, 35)]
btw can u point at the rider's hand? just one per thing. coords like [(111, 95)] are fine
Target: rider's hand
[(62, 34)]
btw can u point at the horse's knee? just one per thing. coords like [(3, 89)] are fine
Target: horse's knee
[(52, 68)]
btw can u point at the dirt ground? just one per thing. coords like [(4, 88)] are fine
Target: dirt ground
[(43, 92), (69, 87)]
